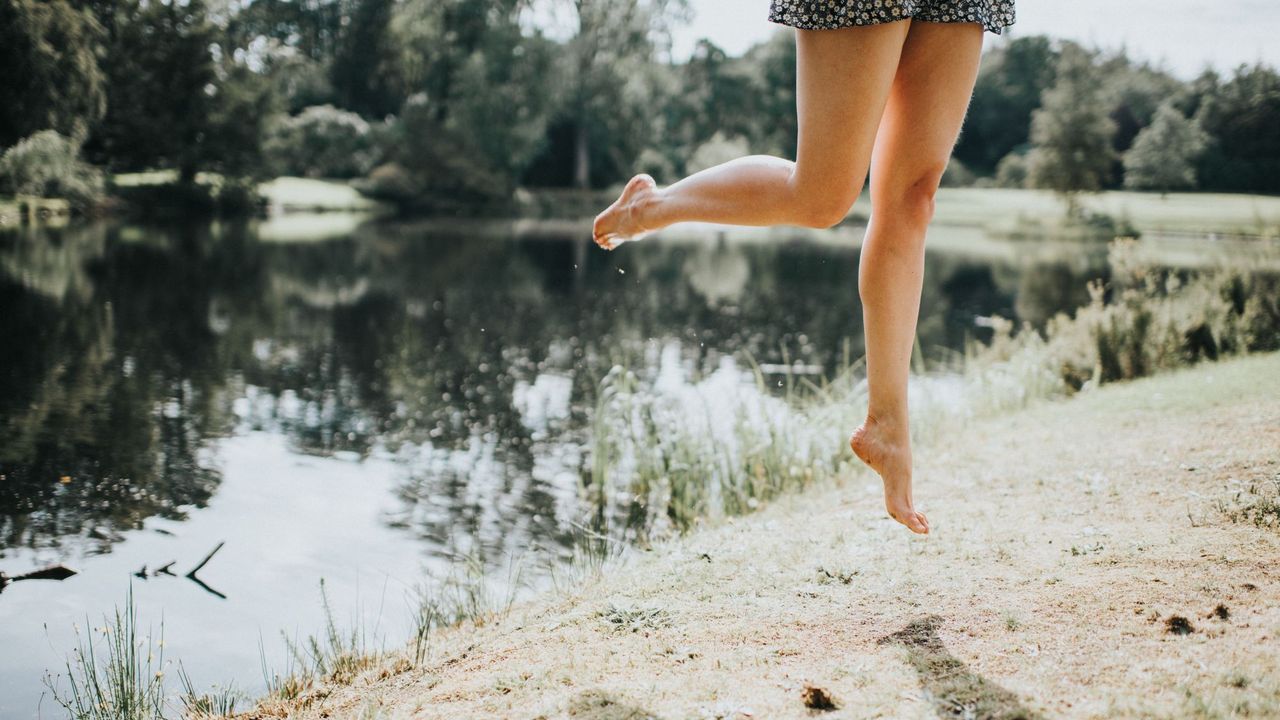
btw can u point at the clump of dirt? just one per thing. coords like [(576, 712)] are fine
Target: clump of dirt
[(844, 577), (597, 705), (1178, 625), (816, 698), (636, 619), (1222, 612)]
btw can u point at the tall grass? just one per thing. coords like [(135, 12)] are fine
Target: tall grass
[(114, 673), (667, 455), (219, 702), (1146, 320), (333, 655), (117, 673), (466, 594)]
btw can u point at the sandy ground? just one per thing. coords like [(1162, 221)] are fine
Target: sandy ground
[(1083, 564)]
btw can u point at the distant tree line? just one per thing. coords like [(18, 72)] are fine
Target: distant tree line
[(439, 103)]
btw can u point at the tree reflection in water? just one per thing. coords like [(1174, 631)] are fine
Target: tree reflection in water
[(468, 356)]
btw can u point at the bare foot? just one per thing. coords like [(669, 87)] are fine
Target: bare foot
[(619, 222), (889, 454)]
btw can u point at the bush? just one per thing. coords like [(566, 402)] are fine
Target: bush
[(1147, 320), (440, 168), (1011, 172), (324, 142), (390, 182), (957, 175), (224, 197), (719, 149), (49, 165)]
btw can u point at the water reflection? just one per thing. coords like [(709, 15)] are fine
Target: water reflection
[(471, 356), (442, 377)]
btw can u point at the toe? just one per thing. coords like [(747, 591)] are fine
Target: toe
[(917, 524), (915, 521)]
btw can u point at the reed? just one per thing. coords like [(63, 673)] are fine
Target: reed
[(667, 456), (114, 673)]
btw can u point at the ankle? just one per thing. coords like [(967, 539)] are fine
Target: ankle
[(643, 210), (887, 425)]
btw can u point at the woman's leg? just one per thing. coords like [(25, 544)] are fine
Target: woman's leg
[(842, 81), (922, 119)]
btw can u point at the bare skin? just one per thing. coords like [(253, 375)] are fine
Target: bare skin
[(887, 98), (921, 123)]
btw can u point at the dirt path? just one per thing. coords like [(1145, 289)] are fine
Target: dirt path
[(1068, 541)]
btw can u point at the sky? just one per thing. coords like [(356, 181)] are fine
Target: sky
[(1183, 36)]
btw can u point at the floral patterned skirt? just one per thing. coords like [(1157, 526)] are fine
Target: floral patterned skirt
[(993, 15)]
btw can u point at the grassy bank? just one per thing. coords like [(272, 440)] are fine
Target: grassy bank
[(671, 456), (1002, 212), (10, 211), (292, 194), (1068, 528), (1114, 555), (1002, 209), (1003, 456)]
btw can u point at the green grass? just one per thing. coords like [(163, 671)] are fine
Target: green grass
[(1005, 209), (150, 177), (466, 594), (294, 193), (114, 673), (9, 210), (218, 702), (288, 193), (1256, 503), (334, 655)]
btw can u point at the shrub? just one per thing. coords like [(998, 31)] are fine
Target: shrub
[(719, 149), (1148, 319), (957, 175), (443, 165), (1011, 172), (323, 141), (48, 165)]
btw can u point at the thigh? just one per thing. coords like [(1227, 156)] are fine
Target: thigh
[(925, 107), (843, 79)]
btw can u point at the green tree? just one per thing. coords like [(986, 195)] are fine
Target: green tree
[(484, 90), (295, 43), (773, 63), (322, 141), (1133, 92), (714, 93), (160, 76), (180, 94), (311, 29), (49, 75), (1164, 154), (49, 165), (365, 71), (1012, 171), (1071, 132), (1240, 117), (607, 68), (240, 108), (1010, 84)]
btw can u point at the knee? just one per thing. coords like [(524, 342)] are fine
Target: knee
[(914, 203)]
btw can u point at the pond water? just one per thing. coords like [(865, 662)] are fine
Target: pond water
[(370, 408)]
